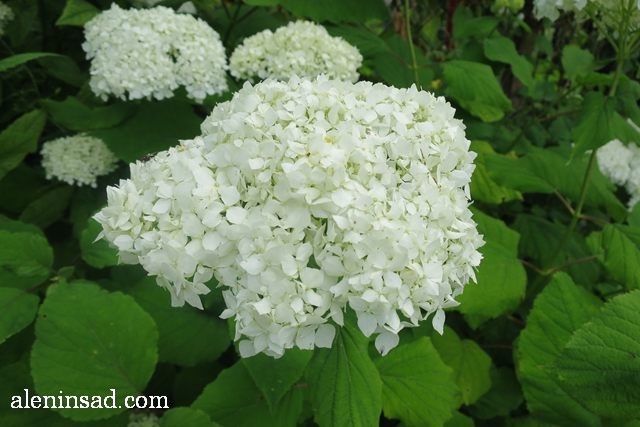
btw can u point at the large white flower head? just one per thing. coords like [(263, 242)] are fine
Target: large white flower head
[(6, 15), (304, 198), (77, 160), (552, 8), (301, 48), (148, 53), (613, 161)]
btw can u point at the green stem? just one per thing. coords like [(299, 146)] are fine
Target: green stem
[(414, 61), (578, 211)]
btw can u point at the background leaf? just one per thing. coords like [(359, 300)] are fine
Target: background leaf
[(600, 365), (409, 373), (345, 385), (18, 310), (19, 139), (559, 310), (89, 341), (474, 86)]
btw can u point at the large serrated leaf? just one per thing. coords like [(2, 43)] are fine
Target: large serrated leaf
[(345, 385), (600, 365), (560, 309), (89, 341), (417, 386)]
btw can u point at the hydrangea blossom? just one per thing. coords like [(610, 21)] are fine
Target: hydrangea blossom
[(77, 160), (143, 420), (551, 8), (609, 12), (613, 160), (304, 198), (621, 165), (301, 48), (6, 15), (148, 53)]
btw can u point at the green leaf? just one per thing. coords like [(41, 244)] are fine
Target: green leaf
[(25, 259), (186, 417), (471, 365), (74, 115), (155, 126), (466, 25), (262, 2), (394, 64), (619, 255), (77, 13), (368, 43), (459, 420), (275, 377), (600, 365), (18, 310), (559, 310), (344, 383), (65, 69), (593, 129), (417, 387), (576, 62), (546, 171), (537, 235), (14, 378), (483, 187), (89, 341), (502, 49), (187, 336), (233, 400), (21, 58), (504, 396), (501, 278), (338, 10), (20, 186), (19, 139), (48, 208), (97, 254), (474, 86)]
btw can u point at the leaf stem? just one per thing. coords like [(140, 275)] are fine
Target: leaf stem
[(414, 61)]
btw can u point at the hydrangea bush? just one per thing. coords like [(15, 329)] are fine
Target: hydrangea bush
[(395, 213)]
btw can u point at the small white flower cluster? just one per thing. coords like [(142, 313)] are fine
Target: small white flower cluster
[(186, 7), (143, 420), (304, 198), (148, 53), (609, 12), (6, 15), (551, 8), (301, 48), (77, 160), (621, 165)]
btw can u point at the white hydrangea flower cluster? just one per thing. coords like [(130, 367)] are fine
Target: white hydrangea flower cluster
[(552, 8), (143, 420), (609, 12), (186, 7), (304, 198), (77, 160), (148, 53), (6, 15), (621, 165), (301, 48)]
